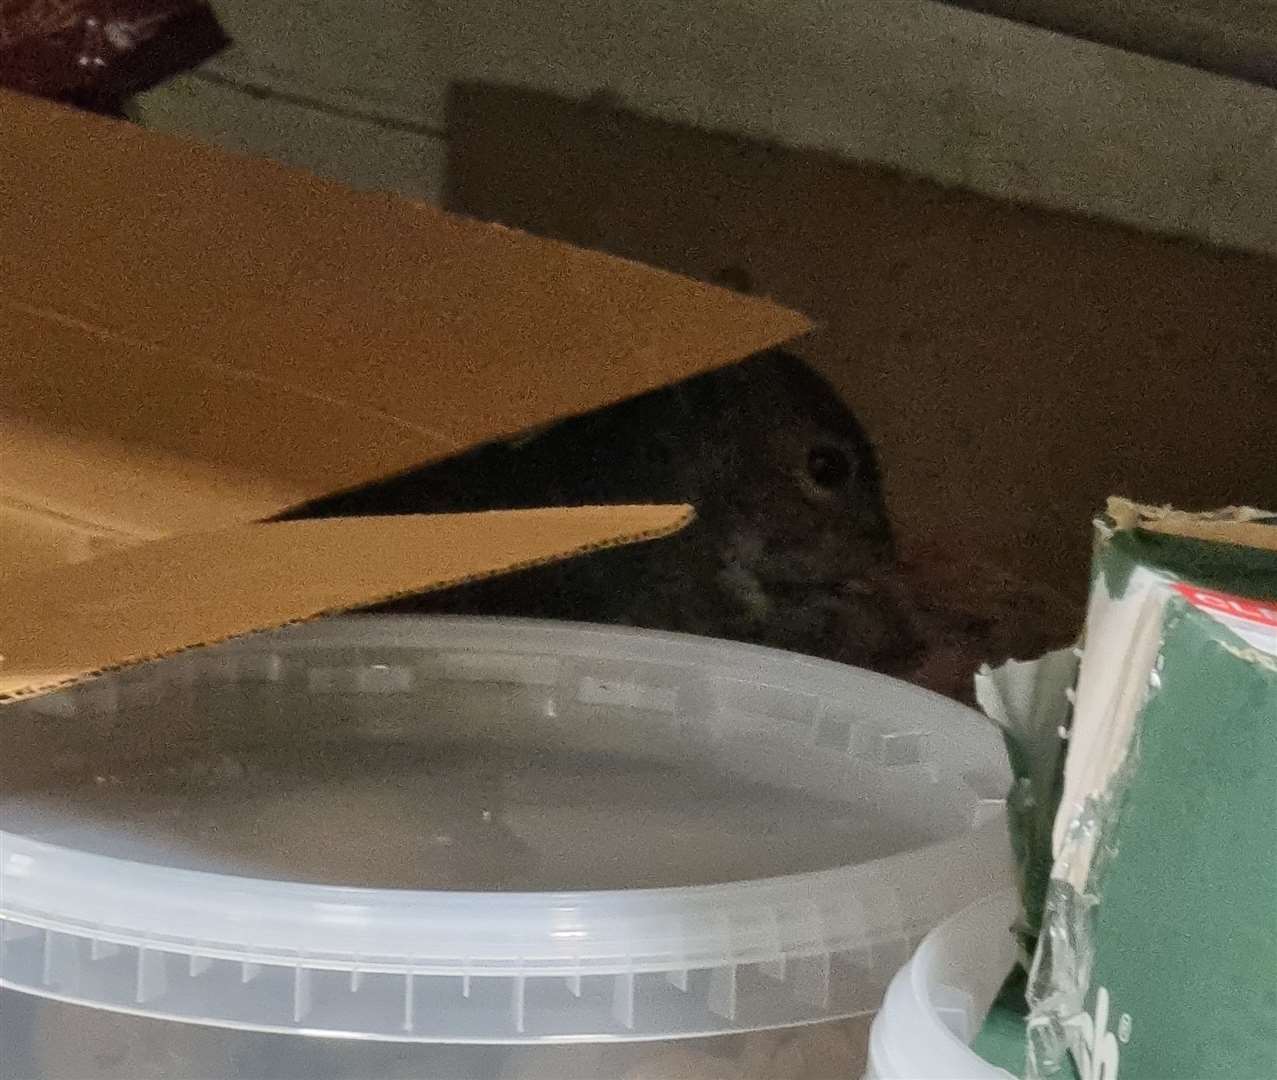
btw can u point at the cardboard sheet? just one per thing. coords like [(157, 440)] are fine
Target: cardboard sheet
[(251, 317), (155, 599), (192, 342), (1243, 526)]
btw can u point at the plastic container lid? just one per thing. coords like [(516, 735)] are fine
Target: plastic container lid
[(936, 1005), (137, 934)]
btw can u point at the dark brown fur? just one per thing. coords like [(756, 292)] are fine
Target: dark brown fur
[(791, 522)]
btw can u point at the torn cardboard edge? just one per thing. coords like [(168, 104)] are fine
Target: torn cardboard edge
[(1169, 663), (1123, 638), (1104, 680), (1239, 525), (1062, 818), (160, 598)]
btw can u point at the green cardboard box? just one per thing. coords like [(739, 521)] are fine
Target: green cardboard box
[(1158, 953)]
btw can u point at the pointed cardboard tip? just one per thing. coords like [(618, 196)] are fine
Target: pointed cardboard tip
[(159, 598)]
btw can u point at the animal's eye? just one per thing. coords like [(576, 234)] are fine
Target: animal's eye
[(828, 466)]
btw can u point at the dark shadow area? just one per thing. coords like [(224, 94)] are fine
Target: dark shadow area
[(1237, 38), (1013, 366)]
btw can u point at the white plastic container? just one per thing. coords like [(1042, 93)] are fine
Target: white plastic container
[(876, 812), (939, 1000)]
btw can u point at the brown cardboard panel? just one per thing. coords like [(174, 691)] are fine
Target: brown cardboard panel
[(210, 307), (157, 598), (1014, 366), (1243, 534), (205, 445), (33, 539), (130, 491), (1243, 526)]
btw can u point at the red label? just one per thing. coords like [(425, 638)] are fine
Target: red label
[(1237, 607)]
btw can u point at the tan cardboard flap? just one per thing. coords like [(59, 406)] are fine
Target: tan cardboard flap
[(33, 540), (163, 294), (127, 490), (1241, 525), (158, 598)]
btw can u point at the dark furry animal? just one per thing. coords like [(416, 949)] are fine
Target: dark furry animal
[(791, 529)]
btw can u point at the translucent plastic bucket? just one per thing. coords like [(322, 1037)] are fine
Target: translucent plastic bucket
[(937, 1004), (581, 834)]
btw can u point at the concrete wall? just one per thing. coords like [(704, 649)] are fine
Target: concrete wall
[(356, 89)]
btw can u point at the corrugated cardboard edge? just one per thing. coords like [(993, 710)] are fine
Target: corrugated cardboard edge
[(81, 622), (1239, 525)]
